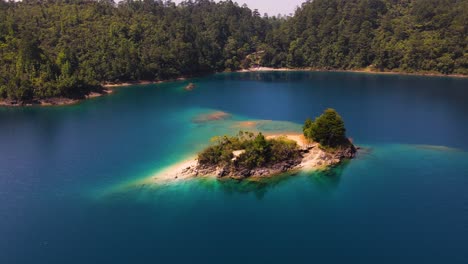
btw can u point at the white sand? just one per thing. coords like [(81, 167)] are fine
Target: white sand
[(312, 160), (181, 171), (265, 69)]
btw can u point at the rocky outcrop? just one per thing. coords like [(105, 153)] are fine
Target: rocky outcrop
[(242, 172), (334, 157)]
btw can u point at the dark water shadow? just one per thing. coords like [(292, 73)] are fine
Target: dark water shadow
[(326, 180), (329, 179), (258, 186)]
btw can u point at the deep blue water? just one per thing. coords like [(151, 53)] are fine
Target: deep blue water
[(64, 174)]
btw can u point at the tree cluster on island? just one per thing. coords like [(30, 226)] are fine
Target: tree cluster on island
[(255, 151), (59, 48), (328, 129), (250, 154)]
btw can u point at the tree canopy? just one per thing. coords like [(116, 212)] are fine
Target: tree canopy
[(257, 151), (396, 35), (70, 47), (67, 48), (328, 129)]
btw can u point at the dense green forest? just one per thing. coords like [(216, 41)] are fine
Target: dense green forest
[(68, 48), (257, 151), (398, 35)]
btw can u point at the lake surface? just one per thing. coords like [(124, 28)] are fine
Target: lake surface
[(65, 174)]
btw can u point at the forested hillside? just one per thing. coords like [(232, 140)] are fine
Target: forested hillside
[(67, 48), (397, 35), (70, 47)]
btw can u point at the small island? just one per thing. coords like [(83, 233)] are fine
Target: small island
[(247, 155), (190, 87)]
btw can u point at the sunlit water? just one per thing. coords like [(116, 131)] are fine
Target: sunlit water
[(64, 173)]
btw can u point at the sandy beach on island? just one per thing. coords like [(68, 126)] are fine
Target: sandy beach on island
[(174, 172)]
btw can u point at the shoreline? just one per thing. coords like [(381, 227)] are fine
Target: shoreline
[(314, 159), (282, 69), (124, 84), (54, 101), (109, 86), (365, 70), (270, 69)]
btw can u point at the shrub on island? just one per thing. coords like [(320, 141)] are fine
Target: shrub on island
[(254, 151)]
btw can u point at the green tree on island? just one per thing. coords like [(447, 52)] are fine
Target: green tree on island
[(327, 129)]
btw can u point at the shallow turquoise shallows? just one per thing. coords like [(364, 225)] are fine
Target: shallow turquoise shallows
[(67, 174)]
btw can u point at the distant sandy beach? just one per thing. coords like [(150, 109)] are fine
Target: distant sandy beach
[(124, 84), (366, 70), (266, 69), (142, 82)]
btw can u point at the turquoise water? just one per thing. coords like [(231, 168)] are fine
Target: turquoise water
[(66, 174)]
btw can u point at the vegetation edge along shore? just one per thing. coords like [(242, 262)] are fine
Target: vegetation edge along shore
[(107, 88), (67, 49)]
